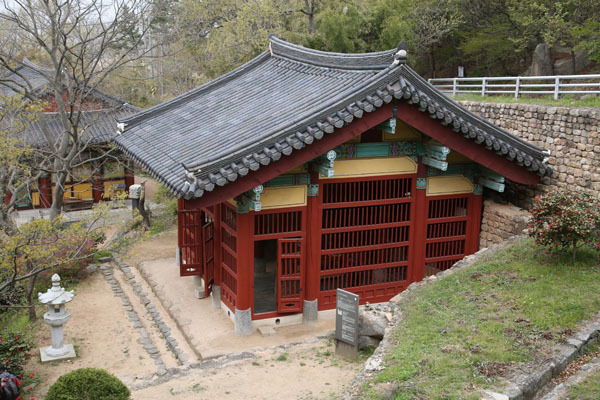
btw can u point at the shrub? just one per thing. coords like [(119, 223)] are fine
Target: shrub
[(88, 384), (14, 351), (565, 220), (163, 195)]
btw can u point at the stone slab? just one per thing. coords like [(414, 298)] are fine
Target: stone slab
[(266, 330), (69, 353)]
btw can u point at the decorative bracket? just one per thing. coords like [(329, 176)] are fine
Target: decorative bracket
[(325, 165)]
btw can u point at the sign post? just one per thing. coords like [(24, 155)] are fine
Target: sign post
[(346, 324)]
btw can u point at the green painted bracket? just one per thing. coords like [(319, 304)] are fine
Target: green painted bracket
[(254, 194), (388, 126), (491, 175), (488, 183), (441, 165), (326, 171), (313, 190)]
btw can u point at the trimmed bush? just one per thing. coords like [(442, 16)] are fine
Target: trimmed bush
[(14, 351), (565, 220), (88, 384)]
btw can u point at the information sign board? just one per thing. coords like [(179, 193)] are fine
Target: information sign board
[(346, 317)]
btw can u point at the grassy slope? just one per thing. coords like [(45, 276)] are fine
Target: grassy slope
[(589, 389), (459, 332)]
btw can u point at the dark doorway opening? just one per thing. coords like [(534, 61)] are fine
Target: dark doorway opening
[(265, 276)]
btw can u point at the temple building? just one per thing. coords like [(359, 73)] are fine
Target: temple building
[(108, 174), (304, 171)]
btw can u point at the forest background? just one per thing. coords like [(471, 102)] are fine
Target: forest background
[(191, 41)]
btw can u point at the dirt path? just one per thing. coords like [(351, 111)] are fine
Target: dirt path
[(305, 371), (118, 322)]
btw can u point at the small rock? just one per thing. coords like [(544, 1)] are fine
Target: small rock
[(373, 364), (91, 268)]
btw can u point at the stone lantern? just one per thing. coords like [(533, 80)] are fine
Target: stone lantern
[(56, 297)]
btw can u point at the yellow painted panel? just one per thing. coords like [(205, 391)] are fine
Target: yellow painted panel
[(283, 196), (232, 202), (375, 166), (448, 184), (110, 188), (83, 191), (403, 132), (35, 199)]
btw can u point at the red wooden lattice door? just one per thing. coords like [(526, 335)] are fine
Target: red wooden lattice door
[(208, 235), (290, 275), (191, 255)]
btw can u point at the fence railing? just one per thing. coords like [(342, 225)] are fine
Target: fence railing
[(556, 85)]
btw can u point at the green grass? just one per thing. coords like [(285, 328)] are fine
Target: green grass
[(589, 389), (568, 101), (459, 332)]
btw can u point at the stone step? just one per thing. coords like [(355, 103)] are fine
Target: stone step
[(266, 330)]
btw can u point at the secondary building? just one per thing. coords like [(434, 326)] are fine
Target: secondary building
[(108, 174)]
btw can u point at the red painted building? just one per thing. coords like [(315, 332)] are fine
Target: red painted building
[(304, 171), (91, 182)]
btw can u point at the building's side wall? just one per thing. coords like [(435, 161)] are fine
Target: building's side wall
[(571, 134)]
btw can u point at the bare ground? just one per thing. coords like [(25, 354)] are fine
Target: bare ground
[(296, 363)]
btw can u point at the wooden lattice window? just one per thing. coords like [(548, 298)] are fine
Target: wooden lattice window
[(447, 222), (277, 222)]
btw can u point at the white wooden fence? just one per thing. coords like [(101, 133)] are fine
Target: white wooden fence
[(556, 85)]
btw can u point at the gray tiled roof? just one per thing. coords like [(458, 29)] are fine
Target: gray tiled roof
[(283, 100), (98, 125)]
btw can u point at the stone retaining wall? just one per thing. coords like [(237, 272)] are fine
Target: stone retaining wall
[(572, 134), (501, 221)]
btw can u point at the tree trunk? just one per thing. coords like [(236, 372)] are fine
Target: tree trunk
[(142, 207), (431, 63), (7, 224), (57, 198), (30, 300)]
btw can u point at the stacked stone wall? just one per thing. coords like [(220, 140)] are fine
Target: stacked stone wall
[(571, 134), (500, 221)]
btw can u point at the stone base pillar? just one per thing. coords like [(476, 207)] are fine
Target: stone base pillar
[(310, 311), (199, 291), (242, 322), (216, 296)]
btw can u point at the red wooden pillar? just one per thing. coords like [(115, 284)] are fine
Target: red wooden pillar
[(97, 187), (180, 207), (245, 274), (313, 250), (45, 192), (417, 265), (474, 221), (129, 178), (216, 289)]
